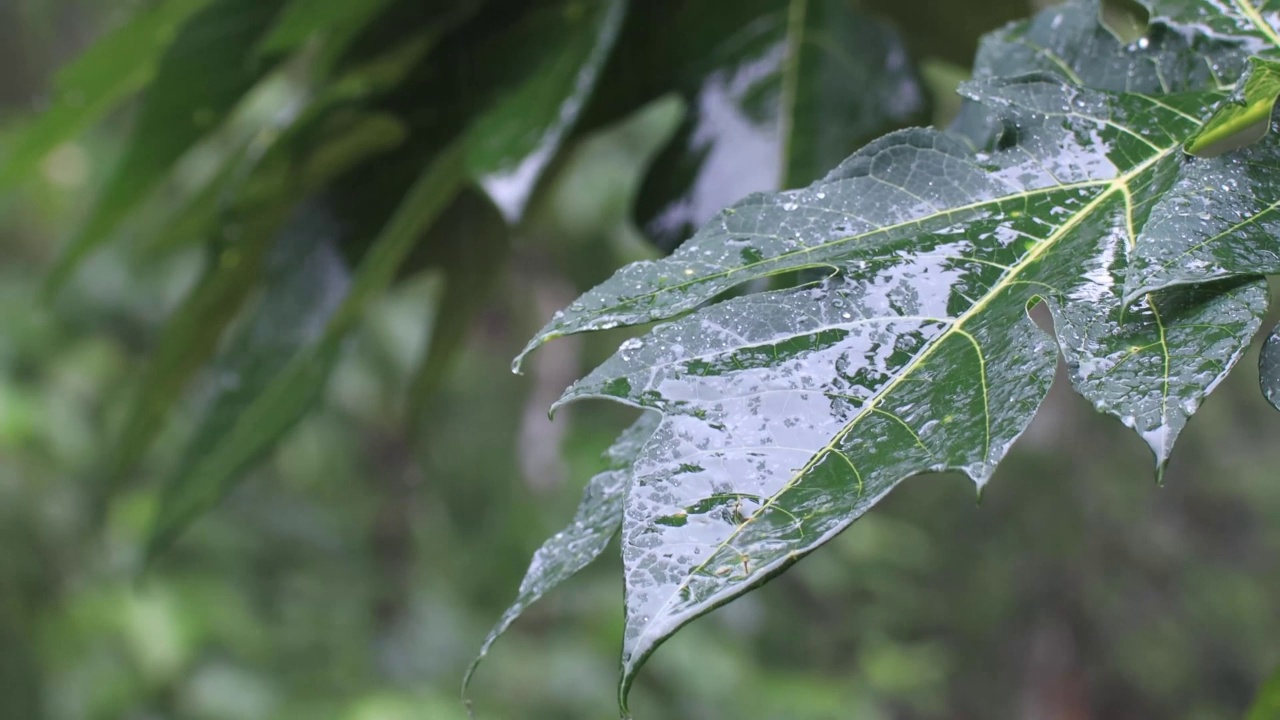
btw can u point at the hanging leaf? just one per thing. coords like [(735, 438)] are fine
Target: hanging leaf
[(577, 546), (106, 74), (777, 92), (265, 404), (304, 280), (334, 21), (547, 67), (469, 246), (256, 212), (789, 414), (199, 79)]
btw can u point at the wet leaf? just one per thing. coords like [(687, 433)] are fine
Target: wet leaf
[(1245, 117), (1251, 22), (1269, 369), (777, 92), (1220, 219), (572, 549), (109, 72), (549, 65), (789, 414)]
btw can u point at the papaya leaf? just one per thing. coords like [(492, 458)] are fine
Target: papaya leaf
[(789, 414), (1219, 220), (1253, 23), (596, 522), (116, 67), (1269, 369), (200, 78), (1246, 117), (1069, 41)]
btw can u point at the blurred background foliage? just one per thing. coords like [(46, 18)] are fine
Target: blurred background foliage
[(169, 257)]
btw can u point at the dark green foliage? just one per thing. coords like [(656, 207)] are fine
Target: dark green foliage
[(838, 312)]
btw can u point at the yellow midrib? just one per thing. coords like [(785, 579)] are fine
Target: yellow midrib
[(1256, 18), (1111, 187)]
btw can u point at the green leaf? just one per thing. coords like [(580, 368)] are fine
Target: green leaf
[(106, 74), (782, 94), (789, 414), (1245, 118), (1267, 706), (304, 280), (1251, 22), (547, 66), (777, 91), (273, 394), (1269, 369), (1067, 40), (249, 226), (469, 245), (1221, 219), (200, 78), (572, 549), (334, 21)]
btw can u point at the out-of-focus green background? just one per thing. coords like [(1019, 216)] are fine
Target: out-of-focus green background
[(355, 574)]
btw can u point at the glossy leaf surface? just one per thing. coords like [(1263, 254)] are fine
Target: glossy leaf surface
[(547, 67), (594, 525), (788, 414), (1269, 369), (777, 92)]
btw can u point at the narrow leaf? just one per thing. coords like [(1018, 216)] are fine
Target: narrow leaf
[(247, 423), (558, 52), (304, 280), (778, 92), (192, 334), (333, 21), (572, 549), (109, 72), (200, 78), (469, 245), (1245, 117)]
